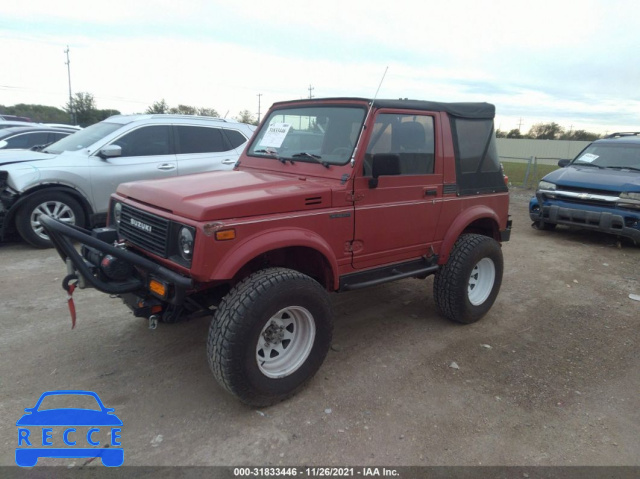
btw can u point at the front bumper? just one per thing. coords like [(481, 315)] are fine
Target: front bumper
[(606, 220), (144, 270)]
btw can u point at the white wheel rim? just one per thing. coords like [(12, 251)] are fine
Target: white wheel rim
[(483, 276), (57, 210), (285, 342)]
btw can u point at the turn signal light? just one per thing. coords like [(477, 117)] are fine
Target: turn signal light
[(225, 235), (158, 288)]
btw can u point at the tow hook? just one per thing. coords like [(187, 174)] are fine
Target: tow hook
[(153, 321)]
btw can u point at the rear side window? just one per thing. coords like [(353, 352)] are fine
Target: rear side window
[(235, 138), (196, 139), (477, 165)]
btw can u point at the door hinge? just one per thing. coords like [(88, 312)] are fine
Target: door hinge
[(353, 197)]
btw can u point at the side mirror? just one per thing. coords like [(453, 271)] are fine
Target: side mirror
[(383, 164), (110, 151), (563, 163)]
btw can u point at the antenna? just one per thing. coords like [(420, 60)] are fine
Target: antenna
[(381, 80), (353, 156)]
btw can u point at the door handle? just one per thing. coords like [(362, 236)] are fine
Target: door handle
[(166, 166), (228, 161), (430, 192)]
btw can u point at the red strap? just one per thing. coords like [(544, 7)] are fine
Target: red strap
[(72, 306)]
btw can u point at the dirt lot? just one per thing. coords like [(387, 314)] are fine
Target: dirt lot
[(550, 377)]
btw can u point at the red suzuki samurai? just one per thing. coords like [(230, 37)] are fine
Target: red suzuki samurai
[(330, 195)]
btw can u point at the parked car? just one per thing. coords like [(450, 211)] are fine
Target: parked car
[(71, 180), (11, 124), (382, 190), (599, 190), (26, 137), (22, 119)]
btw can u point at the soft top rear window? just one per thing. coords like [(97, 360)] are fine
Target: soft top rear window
[(477, 164)]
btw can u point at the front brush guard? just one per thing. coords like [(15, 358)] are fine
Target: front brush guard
[(61, 235)]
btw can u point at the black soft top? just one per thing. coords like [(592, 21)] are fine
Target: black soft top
[(474, 110)]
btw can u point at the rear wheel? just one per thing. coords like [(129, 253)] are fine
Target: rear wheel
[(270, 335), (59, 206), (466, 287)]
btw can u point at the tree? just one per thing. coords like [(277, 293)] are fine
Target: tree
[(83, 106), (208, 112), (580, 135), (245, 116), (37, 113), (184, 110), (545, 131), (158, 107), (515, 133)]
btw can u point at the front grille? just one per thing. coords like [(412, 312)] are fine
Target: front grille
[(149, 232)]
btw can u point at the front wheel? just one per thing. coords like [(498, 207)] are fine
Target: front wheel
[(59, 206), (270, 335), (466, 287)]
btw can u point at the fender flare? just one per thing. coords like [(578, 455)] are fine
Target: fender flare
[(474, 213), (270, 240), (53, 187)]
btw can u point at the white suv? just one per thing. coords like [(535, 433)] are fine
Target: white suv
[(71, 180)]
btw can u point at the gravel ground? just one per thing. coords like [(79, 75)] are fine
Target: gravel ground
[(549, 377)]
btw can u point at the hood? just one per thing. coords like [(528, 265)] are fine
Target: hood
[(222, 195), (589, 177), (8, 157)]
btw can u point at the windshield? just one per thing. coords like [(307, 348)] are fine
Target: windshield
[(325, 135), (610, 156), (83, 138)]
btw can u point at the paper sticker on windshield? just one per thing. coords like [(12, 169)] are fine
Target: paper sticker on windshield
[(588, 158), (275, 135)]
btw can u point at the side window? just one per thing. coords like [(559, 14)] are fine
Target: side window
[(199, 139), (405, 140), (55, 137), (235, 138), (146, 141), (27, 140)]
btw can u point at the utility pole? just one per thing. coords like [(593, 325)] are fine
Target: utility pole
[(520, 124), (310, 91), (71, 112), (259, 95)]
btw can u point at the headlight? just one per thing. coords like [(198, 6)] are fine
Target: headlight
[(185, 242), (545, 185), (630, 196), (629, 200), (117, 213)]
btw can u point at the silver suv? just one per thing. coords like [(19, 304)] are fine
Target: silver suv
[(71, 180)]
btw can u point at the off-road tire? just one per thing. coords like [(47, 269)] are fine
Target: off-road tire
[(59, 205), (454, 283), (240, 326)]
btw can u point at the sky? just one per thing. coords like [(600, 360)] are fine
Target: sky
[(572, 62)]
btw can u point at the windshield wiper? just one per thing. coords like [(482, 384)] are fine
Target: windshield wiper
[(274, 154), (623, 168), (40, 147), (316, 158)]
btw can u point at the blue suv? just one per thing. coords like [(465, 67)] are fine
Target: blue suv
[(599, 190)]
